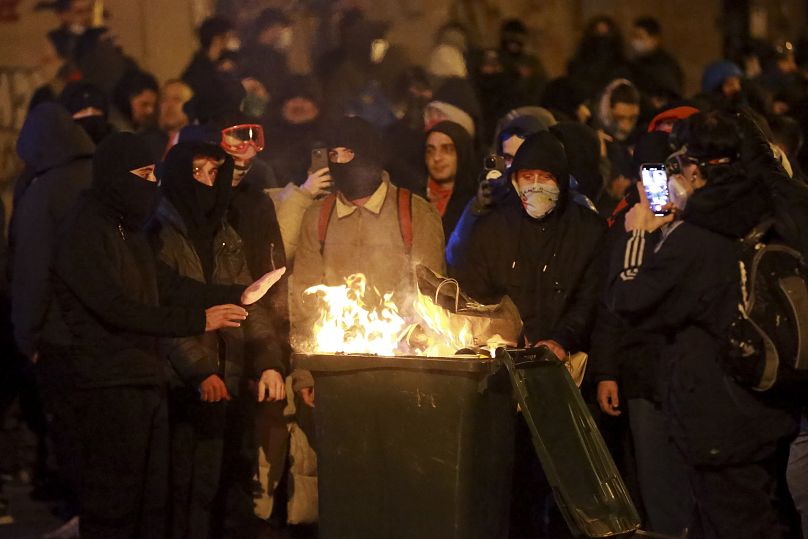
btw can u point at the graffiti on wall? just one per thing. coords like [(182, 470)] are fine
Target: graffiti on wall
[(16, 86)]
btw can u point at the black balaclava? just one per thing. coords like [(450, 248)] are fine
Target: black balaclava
[(201, 207), (131, 197), (363, 175)]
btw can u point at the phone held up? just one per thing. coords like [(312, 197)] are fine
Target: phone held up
[(655, 183), (494, 162), (319, 158)]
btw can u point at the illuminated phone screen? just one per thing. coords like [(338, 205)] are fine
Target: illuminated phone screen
[(655, 183)]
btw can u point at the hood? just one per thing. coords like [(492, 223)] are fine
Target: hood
[(582, 146), (604, 110), (50, 138), (716, 73), (731, 207), (185, 193), (466, 177), (564, 96), (132, 198), (523, 122), (543, 151)]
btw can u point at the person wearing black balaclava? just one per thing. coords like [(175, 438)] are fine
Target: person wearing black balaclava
[(599, 57), (89, 107), (451, 180), (542, 250), (115, 299), (193, 237), (359, 229)]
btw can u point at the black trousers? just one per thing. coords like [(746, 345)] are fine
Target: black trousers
[(748, 501), (213, 459), (124, 462)]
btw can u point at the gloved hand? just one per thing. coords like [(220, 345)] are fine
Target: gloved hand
[(484, 200)]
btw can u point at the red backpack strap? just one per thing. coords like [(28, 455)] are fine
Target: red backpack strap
[(405, 218), (325, 217)]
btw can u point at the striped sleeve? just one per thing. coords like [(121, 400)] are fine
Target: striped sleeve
[(633, 257)]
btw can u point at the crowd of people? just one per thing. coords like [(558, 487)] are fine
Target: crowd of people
[(163, 233)]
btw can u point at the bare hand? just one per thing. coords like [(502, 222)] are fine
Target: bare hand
[(555, 348), (224, 316), (212, 389), (271, 386), (307, 394), (318, 183), (259, 288), (609, 398), (640, 216)]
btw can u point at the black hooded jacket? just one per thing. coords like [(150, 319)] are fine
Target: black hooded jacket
[(466, 178), (113, 295), (582, 147), (686, 289), (58, 153), (550, 267), (184, 236)]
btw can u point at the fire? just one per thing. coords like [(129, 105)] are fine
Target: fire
[(350, 325), (355, 320)]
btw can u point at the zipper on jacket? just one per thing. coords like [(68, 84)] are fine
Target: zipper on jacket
[(272, 255)]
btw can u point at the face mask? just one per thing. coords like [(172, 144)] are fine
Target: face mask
[(356, 180), (284, 42), (538, 199), (641, 46), (678, 193), (233, 44), (240, 171), (205, 197), (95, 126)]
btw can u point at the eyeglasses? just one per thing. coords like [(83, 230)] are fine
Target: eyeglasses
[(239, 138)]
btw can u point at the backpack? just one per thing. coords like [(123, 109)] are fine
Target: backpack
[(768, 340), (404, 218)]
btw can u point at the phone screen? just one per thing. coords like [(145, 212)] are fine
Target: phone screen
[(655, 183)]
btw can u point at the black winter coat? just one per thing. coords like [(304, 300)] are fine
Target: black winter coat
[(58, 152), (232, 353), (116, 298), (687, 291), (555, 278)]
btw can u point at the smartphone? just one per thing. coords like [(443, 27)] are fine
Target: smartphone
[(494, 162), (655, 183), (319, 158)]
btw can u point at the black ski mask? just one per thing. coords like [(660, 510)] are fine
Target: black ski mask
[(201, 207), (130, 196), (96, 126), (361, 176)]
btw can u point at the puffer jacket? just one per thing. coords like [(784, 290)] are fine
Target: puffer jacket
[(232, 353)]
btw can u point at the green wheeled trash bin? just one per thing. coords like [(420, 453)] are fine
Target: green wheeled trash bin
[(412, 447)]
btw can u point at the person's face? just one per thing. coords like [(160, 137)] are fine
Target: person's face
[(731, 86), (145, 173), (300, 110), (172, 98), (441, 157), (206, 169), (87, 112), (80, 13), (340, 155), (641, 41), (509, 148), (526, 178), (625, 118), (143, 107)]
